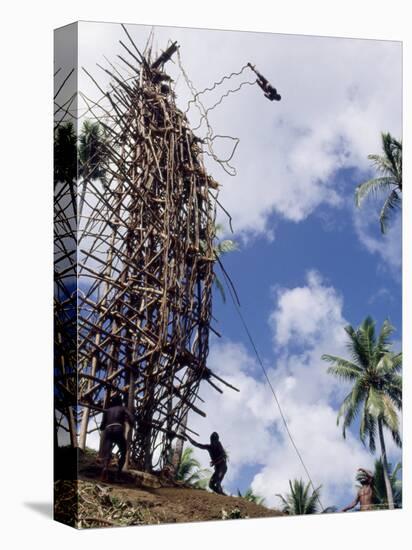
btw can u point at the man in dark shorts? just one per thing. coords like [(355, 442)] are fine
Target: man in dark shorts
[(365, 493), (112, 425), (218, 460)]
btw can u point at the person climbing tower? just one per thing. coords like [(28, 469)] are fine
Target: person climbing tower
[(112, 427), (218, 460)]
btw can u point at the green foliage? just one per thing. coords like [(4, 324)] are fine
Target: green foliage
[(220, 248), (65, 154), (190, 472), (389, 166), (379, 489), (374, 372), (88, 451), (302, 499), (376, 395), (92, 151), (251, 497)]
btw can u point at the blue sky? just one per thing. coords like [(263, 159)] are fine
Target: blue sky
[(326, 242), (309, 263), (332, 249)]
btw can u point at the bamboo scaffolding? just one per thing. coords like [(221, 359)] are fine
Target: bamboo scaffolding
[(140, 252)]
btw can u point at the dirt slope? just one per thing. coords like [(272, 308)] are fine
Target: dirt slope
[(142, 499), (173, 504)]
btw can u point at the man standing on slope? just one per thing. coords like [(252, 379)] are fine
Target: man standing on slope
[(218, 461), (113, 424)]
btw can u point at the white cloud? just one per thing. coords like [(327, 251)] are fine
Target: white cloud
[(337, 96), (242, 419), (307, 314), (307, 321), (331, 461), (387, 247)]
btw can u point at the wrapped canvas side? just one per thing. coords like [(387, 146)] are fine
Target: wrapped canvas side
[(65, 274)]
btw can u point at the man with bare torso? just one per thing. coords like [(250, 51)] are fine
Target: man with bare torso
[(365, 493), (218, 460), (113, 423)]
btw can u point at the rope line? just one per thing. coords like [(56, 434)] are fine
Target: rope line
[(214, 85), (236, 303)]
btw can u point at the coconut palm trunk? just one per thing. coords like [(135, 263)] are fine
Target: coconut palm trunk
[(374, 371), (389, 492)]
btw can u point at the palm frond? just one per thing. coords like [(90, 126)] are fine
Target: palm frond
[(392, 202), (377, 384), (356, 346), (250, 496), (383, 342), (223, 247), (373, 187), (388, 364), (393, 388), (344, 410), (65, 153), (374, 403), (394, 431), (299, 501), (366, 338), (343, 372), (380, 163), (389, 165), (367, 430), (393, 154), (397, 362), (351, 405), (342, 368), (189, 470), (379, 488), (390, 414), (92, 152)]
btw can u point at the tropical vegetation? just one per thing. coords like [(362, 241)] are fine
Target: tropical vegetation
[(302, 499), (250, 496), (379, 488), (190, 471), (388, 182), (375, 397)]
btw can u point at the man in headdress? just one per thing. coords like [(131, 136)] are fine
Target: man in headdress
[(365, 492)]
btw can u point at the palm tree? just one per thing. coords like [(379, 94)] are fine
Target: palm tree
[(92, 155), (301, 499), (250, 496), (65, 153), (389, 166), (92, 152), (376, 394), (190, 472), (92, 159), (379, 488)]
